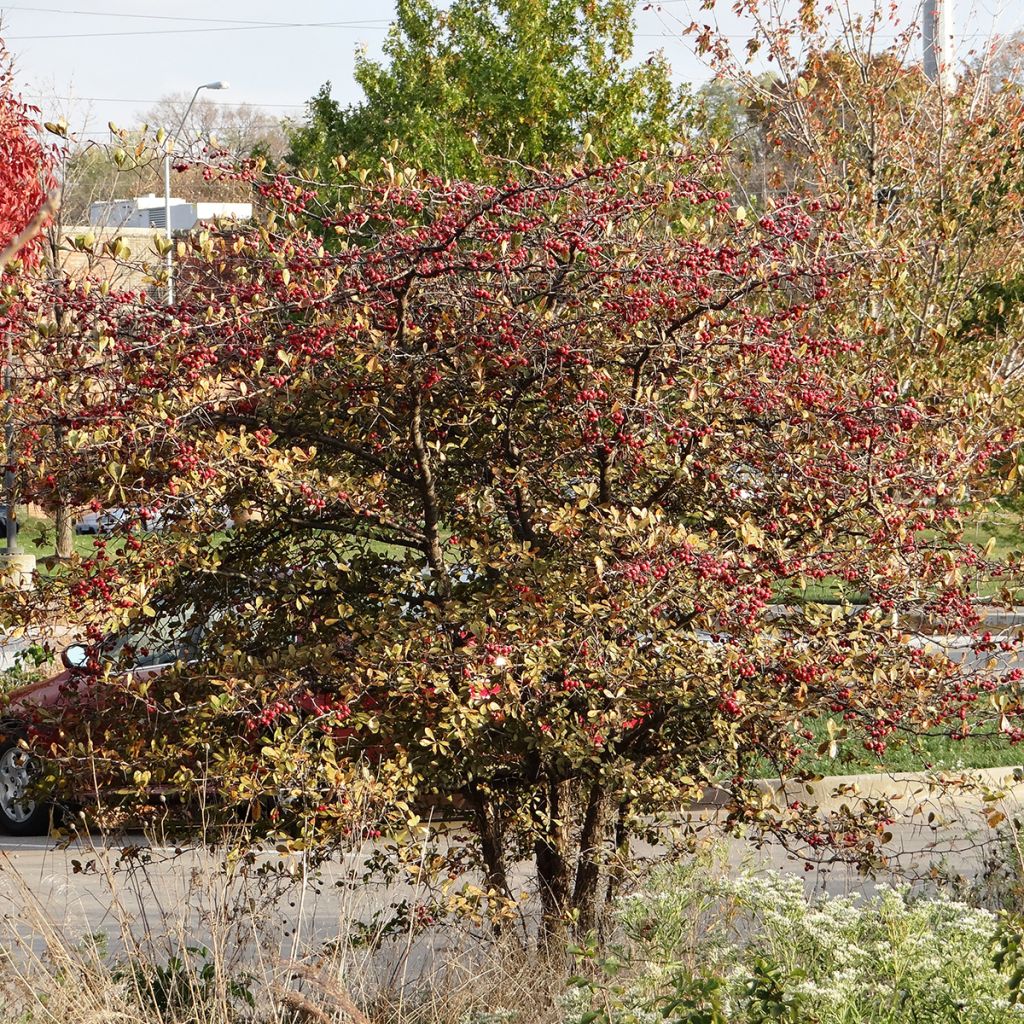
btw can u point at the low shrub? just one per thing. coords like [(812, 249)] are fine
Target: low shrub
[(709, 950)]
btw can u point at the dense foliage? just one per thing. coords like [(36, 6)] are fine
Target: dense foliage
[(518, 476), (495, 80)]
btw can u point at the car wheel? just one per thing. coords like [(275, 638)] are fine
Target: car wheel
[(21, 814)]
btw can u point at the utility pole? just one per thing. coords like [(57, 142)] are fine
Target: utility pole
[(937, 34), (16, 568), (169, 144)]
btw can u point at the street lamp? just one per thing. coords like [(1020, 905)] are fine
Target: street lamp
[(170, 144)]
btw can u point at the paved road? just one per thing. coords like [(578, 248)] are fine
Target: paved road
[(51, 892), (91, 887)]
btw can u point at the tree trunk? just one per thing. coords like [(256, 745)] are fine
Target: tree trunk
[(621, 841), (586, 896), (492, 845), (64, 524), (554, 873)]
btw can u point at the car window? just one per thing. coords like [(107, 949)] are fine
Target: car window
[(160, 641)]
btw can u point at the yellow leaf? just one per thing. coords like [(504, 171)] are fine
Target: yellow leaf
[(751, 534)]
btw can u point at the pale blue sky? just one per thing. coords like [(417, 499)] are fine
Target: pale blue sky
[(120, 55)]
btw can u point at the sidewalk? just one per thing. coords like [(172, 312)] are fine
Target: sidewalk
[(958, 789), (918, 621)]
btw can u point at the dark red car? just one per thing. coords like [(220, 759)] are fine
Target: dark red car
[(141, 652)]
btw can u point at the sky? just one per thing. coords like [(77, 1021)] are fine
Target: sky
[(110, 60)]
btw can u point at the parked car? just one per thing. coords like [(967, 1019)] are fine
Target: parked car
[(108, 520), (144, 652), (97, 523)]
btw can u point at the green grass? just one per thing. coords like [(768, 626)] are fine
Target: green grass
[(907, 753), (37, 537), (1002, 523)]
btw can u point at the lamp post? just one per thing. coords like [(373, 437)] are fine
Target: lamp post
[(169, 152), (11, 519), (16, 568)]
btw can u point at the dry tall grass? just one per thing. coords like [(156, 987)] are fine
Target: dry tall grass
[(194, 936)]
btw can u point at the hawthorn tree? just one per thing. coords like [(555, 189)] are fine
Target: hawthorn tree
[(43, 284), (527, 481)]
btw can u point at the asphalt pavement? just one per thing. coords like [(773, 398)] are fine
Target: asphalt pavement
[(129, 890)]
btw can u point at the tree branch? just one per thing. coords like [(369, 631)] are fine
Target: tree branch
[(326, 440), (50, 206)]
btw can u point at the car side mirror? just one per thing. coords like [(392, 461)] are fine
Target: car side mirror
[(75, 656)]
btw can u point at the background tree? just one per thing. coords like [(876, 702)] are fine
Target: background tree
[(733, 115), (73, 257), (1001, 61), (128, 164), (237, 131), (76, 257), (849, 116), (131, 165), (517, 80)]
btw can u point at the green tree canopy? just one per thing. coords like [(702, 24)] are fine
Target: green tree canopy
[(517, 79)]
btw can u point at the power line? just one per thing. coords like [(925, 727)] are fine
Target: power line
[(151, 17), (747, 35), (164, 99), (195, 31)]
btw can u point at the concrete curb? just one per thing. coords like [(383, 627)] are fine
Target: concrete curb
[(918, 621), (960, 789), (992, 619)]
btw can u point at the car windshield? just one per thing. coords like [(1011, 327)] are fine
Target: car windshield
[(161, 641)]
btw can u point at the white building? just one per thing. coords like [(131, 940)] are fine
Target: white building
[(148, 212)]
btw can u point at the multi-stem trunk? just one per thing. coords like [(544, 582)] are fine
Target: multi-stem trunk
[(553, 852), (570, 852), (620, 841), (586, 897), (492, 845)]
